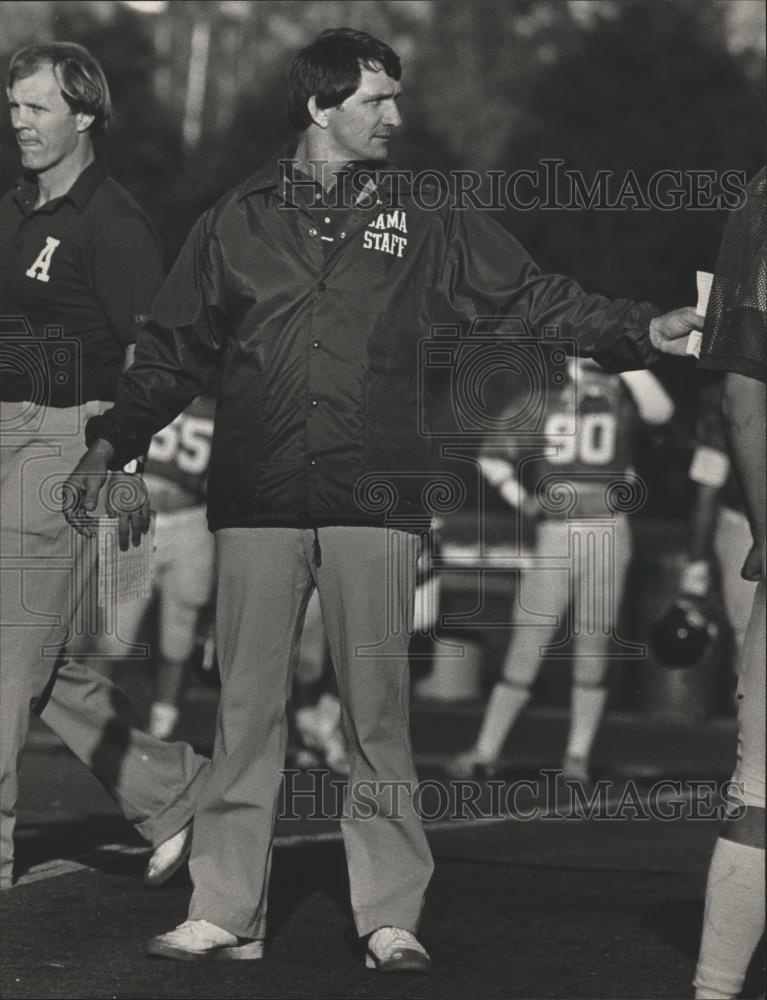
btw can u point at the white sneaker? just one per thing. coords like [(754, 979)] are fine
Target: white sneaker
[(390, 949), (199, 939), (169, 857)]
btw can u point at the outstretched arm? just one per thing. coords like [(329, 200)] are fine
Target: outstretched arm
[(485, 272)]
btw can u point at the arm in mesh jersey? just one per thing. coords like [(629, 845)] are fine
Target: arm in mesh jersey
[(735, 334)]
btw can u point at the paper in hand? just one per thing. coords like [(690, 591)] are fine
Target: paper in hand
[(123, 577), (704, 280)]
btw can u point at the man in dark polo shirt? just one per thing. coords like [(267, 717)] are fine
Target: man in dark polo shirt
[(79, 265)]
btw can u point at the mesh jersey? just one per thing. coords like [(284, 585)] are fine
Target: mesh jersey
[(179, 453), (735, 333), (590, 427)]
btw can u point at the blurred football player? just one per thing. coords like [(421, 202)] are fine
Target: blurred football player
[(183, 565), (569, 487), (176, 473), (720, 529), (735, 342)]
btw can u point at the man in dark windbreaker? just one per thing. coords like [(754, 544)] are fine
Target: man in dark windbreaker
[(309, 291)]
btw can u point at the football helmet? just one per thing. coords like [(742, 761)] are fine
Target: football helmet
[(685, 632)]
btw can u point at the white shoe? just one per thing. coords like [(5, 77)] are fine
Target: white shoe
[(162, 720), (390, 949), (169, 857), (199, 939)]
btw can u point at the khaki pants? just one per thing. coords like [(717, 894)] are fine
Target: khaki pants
[(366, 583), (45, 575)]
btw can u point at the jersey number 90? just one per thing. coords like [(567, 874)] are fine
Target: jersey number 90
[(593, 442)]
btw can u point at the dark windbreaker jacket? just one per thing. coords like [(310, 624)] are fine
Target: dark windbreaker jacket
[(321, 416)]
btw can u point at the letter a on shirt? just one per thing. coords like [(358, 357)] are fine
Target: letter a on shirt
[(39, 269)]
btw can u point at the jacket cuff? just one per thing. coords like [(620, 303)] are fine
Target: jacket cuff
[(638, 332), (106, 427), (633, 348)]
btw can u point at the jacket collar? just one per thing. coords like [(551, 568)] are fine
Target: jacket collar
[(279, 171)]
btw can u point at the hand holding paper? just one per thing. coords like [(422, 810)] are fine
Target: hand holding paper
[(704, 280), (669, 332), (125, 575)]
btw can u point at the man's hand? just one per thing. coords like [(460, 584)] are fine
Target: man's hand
[(668, 333), (127, 497)]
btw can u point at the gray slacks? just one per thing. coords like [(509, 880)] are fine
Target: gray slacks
[(366, 583)]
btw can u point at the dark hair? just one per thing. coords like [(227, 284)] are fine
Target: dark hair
[(329, 70), (83, 84)]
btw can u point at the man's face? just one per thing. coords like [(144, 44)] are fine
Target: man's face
[(47, 130), (360, 127)]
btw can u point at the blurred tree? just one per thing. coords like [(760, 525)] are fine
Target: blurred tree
[(651, 87), (471, 69), (143, 150)]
